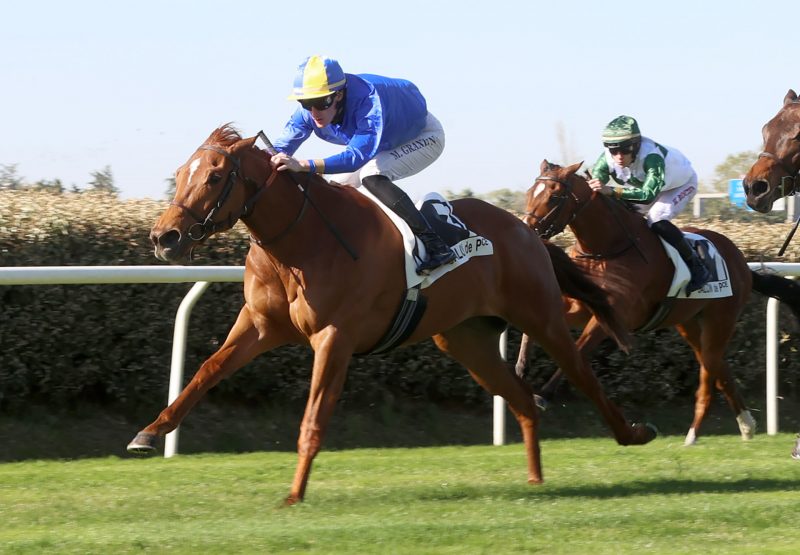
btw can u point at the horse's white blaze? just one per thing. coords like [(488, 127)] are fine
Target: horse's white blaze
[(193, 168), (539, 189)]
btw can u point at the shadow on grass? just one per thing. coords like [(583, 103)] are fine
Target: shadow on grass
[(634, 488), (211, 428)]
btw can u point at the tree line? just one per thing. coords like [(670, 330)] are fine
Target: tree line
[(733, 167)]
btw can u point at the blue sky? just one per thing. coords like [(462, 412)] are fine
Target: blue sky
[(137, 86)]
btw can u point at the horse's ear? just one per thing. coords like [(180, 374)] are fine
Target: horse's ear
[(243, 144), (791, 96), (545, 165), (574, 167)]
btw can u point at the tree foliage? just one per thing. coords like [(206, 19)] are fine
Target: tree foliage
[(9, 178), (103, 181), (735, 166)]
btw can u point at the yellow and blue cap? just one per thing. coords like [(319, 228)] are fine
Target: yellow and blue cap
[(316, 77)]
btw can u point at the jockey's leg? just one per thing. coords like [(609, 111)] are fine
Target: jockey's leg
[(398, 202), (673, 236)]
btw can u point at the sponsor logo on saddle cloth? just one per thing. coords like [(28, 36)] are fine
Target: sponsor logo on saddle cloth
[(717, 287), (439, 213)]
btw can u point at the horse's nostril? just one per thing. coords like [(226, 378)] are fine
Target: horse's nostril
[(168, 239), (758, 188)]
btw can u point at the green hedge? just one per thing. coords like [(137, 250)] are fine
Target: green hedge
[(68, 345)]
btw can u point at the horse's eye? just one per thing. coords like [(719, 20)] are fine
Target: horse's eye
[(214, 178)]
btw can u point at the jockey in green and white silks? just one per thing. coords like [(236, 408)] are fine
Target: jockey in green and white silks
[(658, 179), (387, 133), (661, 181)]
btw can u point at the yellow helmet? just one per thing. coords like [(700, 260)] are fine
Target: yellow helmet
[(316, 77)]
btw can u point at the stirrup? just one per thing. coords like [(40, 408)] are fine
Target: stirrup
[(434, 260), (699, 277)]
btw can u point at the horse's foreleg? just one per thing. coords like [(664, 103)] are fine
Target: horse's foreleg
[(240, 347), (331, 358), (522, 357)]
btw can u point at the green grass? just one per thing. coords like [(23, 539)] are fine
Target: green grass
[(721, 496)]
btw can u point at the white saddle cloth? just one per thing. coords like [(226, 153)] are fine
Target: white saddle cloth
[(474, 245), (719, 286)]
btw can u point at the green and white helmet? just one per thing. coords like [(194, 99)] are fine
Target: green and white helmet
[(621, 132)]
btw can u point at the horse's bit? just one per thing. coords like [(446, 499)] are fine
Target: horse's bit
[(791, 178)]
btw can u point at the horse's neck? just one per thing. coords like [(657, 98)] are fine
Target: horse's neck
[(603, 226), (278, 218)]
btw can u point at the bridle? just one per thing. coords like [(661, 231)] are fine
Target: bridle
[(204, 227), (791, 177), (547, 226), (552, 228)]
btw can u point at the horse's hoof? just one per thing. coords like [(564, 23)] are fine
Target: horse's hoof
[(691, 438), (143, 444), (291, 501), (535, 481), (541, 402), (645, 433), (747, 425)]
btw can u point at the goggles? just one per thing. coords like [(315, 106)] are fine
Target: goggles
[(627, 149), (322, 103)]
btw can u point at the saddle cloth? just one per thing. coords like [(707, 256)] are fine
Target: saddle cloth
[(718, 286), (439, 214)]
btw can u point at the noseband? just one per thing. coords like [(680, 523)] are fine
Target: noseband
[(547, 226), (204, 227), (791, 177)]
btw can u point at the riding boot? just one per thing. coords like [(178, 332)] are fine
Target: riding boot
[(398, 202), (672, 235)]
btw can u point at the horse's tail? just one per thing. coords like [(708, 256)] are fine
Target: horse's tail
[(575, 282), (778, 287)]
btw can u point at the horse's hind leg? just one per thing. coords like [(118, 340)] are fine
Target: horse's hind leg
[(551, 332), (240, 347), (709, 343), (474, 344)]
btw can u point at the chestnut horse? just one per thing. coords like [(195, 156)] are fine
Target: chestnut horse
[(776, 173), (614, 241), (325, 269)]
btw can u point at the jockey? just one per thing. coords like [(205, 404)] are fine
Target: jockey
[(387, 132), (660, 180)]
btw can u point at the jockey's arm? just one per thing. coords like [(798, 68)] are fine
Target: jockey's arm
[(653, 183)]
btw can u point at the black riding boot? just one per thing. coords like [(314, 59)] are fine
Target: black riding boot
[(398, 202), (673, 236)]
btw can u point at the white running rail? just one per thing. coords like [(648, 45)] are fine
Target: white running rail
[(204, 275)]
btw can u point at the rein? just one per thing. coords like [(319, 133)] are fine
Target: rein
[(554, 229), (306, 200), (791, 177)]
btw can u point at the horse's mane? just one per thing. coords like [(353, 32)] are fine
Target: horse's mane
[(625, 204), (224, 135)]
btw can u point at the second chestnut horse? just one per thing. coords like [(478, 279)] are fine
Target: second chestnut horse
[(615, 242)]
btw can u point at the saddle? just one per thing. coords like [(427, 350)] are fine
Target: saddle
[(718, 286), (465, 244)]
